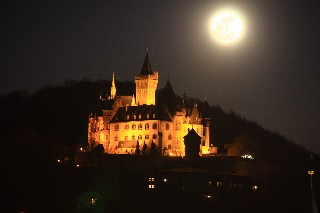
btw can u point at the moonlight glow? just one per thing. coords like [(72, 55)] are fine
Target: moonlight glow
[(226, 27)]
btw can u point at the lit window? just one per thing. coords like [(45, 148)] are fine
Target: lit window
[(139, 116), (139, 137), (133, 126), (151, 179), (219, 183), (167, 126), (140, 126), (154, 126), (165, 180), (128, 117), (151, 186), (134, 117), (255, 187), (147, 126), (148, 116), (154, 116), (178, 126), (116, 127)]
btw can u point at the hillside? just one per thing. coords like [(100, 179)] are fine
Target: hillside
[(58, 115)]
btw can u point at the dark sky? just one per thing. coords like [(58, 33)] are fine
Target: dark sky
[(271, 76)]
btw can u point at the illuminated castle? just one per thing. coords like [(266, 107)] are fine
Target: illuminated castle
[(137, 124)]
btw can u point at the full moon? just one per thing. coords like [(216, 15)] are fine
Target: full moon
[(226, 27)]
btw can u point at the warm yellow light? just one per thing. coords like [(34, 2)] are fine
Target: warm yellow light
[(165, 180), (311, 172), (227, 26)]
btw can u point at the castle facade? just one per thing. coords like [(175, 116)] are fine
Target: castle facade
[(147, 120)]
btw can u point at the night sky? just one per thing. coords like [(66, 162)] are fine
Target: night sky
[(271, 76)]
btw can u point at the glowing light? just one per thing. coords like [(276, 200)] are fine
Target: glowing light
[(247, 156), (77, 165), (165, 180), (311, 172), (255, 187), (58, 161), (171, 154), (227, 26)]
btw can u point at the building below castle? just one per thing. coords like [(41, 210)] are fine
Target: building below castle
[(145, 122)]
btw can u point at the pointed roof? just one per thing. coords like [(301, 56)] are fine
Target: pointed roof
[(146, 67)]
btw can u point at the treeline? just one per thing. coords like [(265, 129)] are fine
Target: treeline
[(58, 115)]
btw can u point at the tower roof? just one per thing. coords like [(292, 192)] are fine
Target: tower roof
[(146, 67)]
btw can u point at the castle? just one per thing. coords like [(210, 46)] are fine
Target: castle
[(139, 123)]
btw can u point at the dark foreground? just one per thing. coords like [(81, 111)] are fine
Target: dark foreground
[(142, 184)]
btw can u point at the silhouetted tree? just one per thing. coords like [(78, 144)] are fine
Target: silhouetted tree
[(137, 151)]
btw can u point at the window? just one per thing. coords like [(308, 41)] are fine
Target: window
[(116, 138), (148, 116), (128, 117), (169, 137), (134, 117), (146, 137), (169, 146), (154, 116), (139, 137), (167, 126), (178, 126), (139, 116), (146, 126), (116, 127), (154, 126), (126, 138), (133, 137), (133, 126), (154, 136), (140, 126), (108, 126), (126, 127), (107, 137)]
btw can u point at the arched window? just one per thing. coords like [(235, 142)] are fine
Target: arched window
[(146, 126), (133, 137), (154, 136), (126, 127), (140, 126), (140, 137), (116, 127), (169, 146), (178, 126), (169, 137), (154, 126), (167, 126), (133, 126)]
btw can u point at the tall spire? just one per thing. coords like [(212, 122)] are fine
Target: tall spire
[(146, 67), (113, 88)]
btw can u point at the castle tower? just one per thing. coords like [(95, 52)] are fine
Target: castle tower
[(113, 90), (146, 84)]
